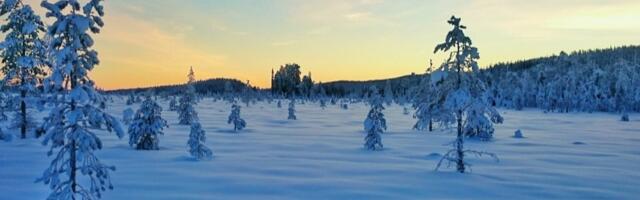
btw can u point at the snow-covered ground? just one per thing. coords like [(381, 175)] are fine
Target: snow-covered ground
[(321, 156)]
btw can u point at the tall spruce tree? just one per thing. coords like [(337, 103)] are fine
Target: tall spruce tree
[(66, 127)]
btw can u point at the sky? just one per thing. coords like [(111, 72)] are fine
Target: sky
[(154, 42)]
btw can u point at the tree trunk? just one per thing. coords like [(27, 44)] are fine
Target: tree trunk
[(459, 145), (73, 167), (23, 113)]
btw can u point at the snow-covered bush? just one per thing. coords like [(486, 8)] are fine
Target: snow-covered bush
[(479, 120), (5, 136), (23, 122), (375, 123), (66, 129), (147, 126), (625, 116), (344, 105), (292, 110), (196, 142), (234, 117), (462, 95), (518, 134)]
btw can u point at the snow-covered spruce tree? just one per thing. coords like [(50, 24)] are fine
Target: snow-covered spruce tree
[(234, 117), (623, 88), (388, 93), (130, 99), (292, 110), (186, 110), (23, 54), (322, 96), (173, 104), (323, 103), (147, 125), (375, 123), (424, 103), (127, 116), (247, 94), (3, 105), (5, 136), (66, 129), (196, 141), (463, 94)]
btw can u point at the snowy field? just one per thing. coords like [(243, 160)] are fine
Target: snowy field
[(320, 156)]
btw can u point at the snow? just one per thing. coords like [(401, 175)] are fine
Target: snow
[(320, 156)]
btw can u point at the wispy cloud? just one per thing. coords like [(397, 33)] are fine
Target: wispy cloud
[(284, 43), (159, 54)]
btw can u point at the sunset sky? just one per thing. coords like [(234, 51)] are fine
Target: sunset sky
[(153, 42)]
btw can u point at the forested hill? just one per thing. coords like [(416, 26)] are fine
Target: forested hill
[(215, 85), (573, 62), (586, 65)]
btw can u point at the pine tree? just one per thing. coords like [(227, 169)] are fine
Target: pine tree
[(424, 103), (196, 141), (23, 54), (66, 129), (3, 104), (147, 125), (375, 124), (127, 116), (130, 99), (234, 117), (186, 110), (322, 96), (5, 136), (623, 87), (388, 93), (247, 94), (173, 104), (463, 94), (292, 110)]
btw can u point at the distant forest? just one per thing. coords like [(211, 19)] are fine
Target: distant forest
[(288, 81)]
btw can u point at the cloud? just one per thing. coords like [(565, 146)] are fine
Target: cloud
[(333, 11), (283, 43), (358, 16), (127, 44)]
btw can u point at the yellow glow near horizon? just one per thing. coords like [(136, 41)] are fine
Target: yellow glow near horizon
[(149, 43)]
